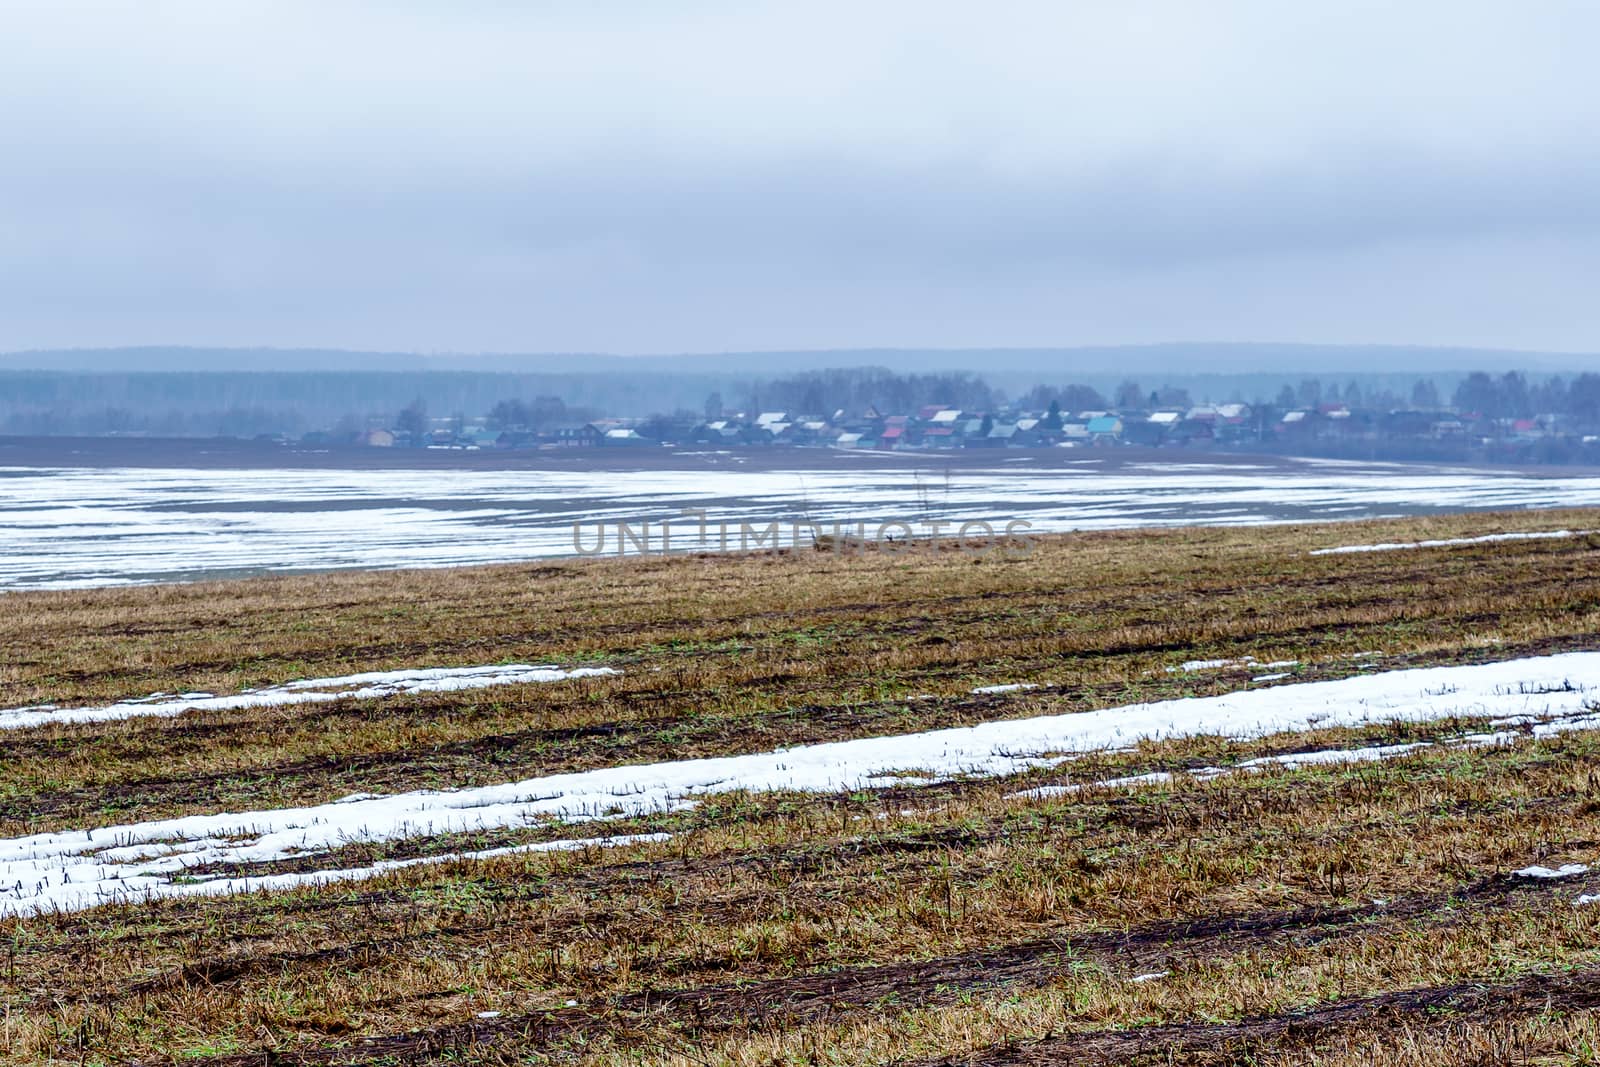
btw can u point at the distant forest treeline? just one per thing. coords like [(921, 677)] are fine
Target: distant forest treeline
[(241, 404), (1510, 395), (292, 403)]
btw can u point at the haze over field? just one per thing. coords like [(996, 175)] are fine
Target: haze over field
[(712, 176)]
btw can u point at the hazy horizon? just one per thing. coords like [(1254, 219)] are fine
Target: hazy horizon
[(1184, 359)]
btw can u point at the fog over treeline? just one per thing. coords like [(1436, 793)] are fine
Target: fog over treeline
[(247, 404), (1004, 367)]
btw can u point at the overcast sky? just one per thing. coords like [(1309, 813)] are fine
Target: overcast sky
[(491, 175)]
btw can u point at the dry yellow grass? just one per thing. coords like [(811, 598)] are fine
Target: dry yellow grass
[(951, 920)]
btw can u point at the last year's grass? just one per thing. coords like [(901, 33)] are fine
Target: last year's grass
[(909, 925)]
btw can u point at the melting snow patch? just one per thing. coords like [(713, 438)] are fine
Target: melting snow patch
[(1561, 726), (1151, 977), (1210, 664), (80, 868), (1586, 899), (1291, 761), (1569, 870), (311, 691), (1045, 792), (1013, 687), (131, 877), (1326, 757), (1242, 661), (1485, 539)]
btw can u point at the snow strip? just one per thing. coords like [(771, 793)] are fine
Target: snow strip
[(1211, 664), (1046, 792), (1013, 687), (1151, 977), (1218, 664), (144, 884), (1568, 870), (76, 868), (1398, 546), (310, 691), (1586, 899), (1291, 761)]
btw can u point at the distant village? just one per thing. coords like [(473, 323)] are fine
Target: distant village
[(1493, 430)]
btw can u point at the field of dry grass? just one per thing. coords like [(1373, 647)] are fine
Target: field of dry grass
[(1328, 914)]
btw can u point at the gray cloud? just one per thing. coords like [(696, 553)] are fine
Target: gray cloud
[(642, 177)]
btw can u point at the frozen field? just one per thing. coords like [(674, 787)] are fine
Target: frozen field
[(87, 527)]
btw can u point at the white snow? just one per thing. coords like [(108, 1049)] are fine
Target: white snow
[(1326, 757), (1291, 761), (75, 527), (1151, 977), (1586, 899), (1045, 792), (1242, 661), (1210, 664), (133, 880), (1270, 677), (310, 691), (1013, 687), (1399, 546), (1566, 870), (1561, 726), (80, 867)]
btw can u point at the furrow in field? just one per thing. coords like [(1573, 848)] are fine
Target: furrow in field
[(1433, 1006), (1140, 946), (824, 874), (841, 993)]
